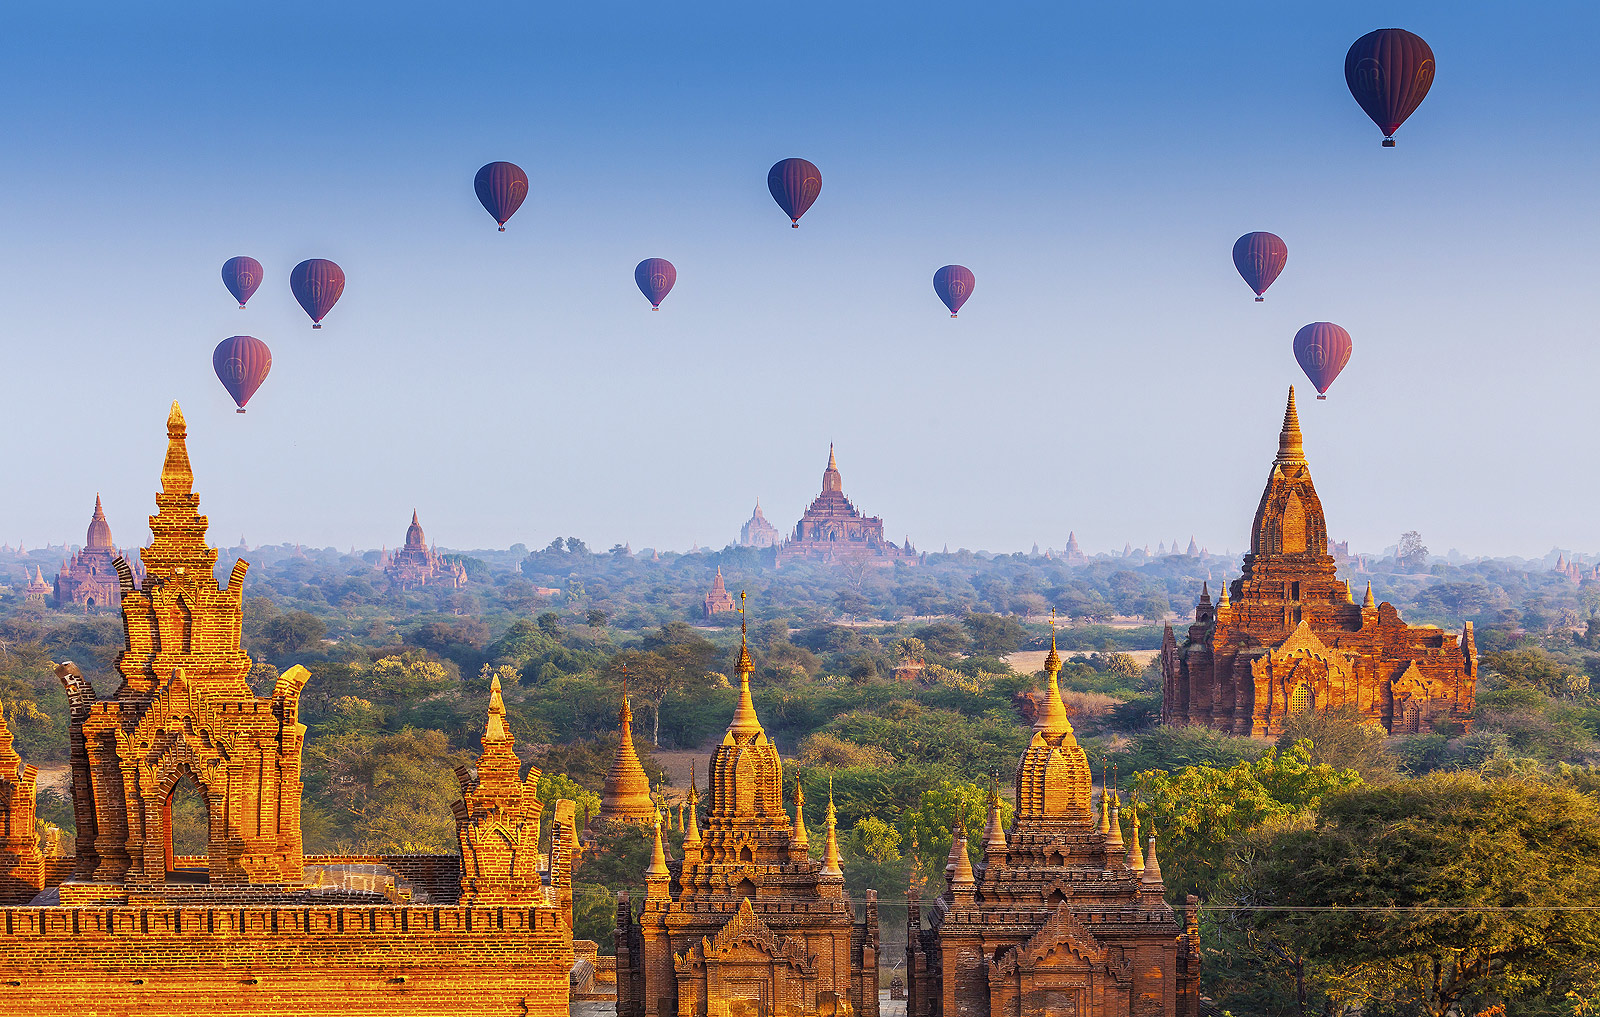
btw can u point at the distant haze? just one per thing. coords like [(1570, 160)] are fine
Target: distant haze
[(1111, 373)]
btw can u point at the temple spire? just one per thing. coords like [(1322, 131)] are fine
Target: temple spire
[(1114, 832), (1369, 602), (1152, 867), (1053, 715), (1290, 449), (495, 729), (626, 793), (830, 854), (745, 721), (657, 875), (691, 826), (1134, 861), (994, 837), (1223, 601), (799, 836)]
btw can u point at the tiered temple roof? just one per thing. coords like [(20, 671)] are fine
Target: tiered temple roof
[(418, 564), (90, 579), (626, 795), (834, 531), (757, 532), (718, 599)]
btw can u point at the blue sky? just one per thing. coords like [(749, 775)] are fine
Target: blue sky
[(1111, 374)]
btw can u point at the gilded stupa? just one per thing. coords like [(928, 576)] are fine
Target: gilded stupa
[(625, 797)]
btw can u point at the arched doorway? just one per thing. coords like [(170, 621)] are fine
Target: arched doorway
[(186, 829)]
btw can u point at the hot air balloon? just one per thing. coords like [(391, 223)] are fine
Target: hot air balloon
[(1322, 348), (1389, 72), (502, 187), (655, 277), (241, 363), (241, 275), (1259, 257), (794, 184), (317, 284), (954, 285)]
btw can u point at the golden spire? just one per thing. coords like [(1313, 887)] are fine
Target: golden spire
[(1369, 602), (1289, 448), (1349, 598), (1152, 868), (626, 793), (745, 721), (495, 729), (1134, 861), (1223, 600), (1105, 800), (657, 874), (1114, 830), (962, 878), (799, 836), (830, 855), (994, 838), (1053, 715)]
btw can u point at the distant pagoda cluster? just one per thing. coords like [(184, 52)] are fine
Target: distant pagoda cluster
[(417, 564), (833, 531), (1287, 636)]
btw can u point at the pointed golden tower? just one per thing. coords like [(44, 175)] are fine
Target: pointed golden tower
[(625, 797), (1053, 780)]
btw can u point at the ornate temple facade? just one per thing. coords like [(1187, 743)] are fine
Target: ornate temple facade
[(718, 599), (126, 925), (747, 923), (90, 581), (1288, 635), (417, 564), (833, 531), (1059, 917), (37, 591), (758, 532)]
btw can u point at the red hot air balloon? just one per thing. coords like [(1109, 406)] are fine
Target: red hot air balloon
[(794, 184), (954, 284), (241, 363), (1322, 348), (1389, 73), (241, 275), (317, 284), (1259, 257), (502, 187), (655, 277)]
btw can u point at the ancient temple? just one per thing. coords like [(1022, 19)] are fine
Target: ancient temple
[(1074, 555), (625, 797), (90, 580), (37, 591), (834, 531), (758, 532), (417, 564), (747, 923), (718, 599), (127, 925), (1288, 635), (1059, 917)]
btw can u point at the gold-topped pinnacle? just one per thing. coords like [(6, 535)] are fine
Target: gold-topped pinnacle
[(1052, 662), (177, 427), (745, 721), (495, 730), (830, 855), (1290, 449), (1369, 601), (799, 835), (1053, 712)]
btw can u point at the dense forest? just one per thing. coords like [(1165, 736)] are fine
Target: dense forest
[(1466, 850)]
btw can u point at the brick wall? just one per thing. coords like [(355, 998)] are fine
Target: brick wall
[(284, 962)]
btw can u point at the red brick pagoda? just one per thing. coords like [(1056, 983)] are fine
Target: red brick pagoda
[(1288, 636), (90, 580), (834, 531), (718, 599), (416, 564)]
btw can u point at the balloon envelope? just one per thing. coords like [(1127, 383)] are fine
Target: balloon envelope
[(241, 363), (241, 275), (502, 187), (954, 285), (1259, 257), (655, 277), (794, 184), (1389, 73), (1322, 348), (317, 284)]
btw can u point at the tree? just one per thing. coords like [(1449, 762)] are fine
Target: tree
[(1412, 555), (596, 618), (994, 635), (943, 810), (1341, 738), (1439, 895)]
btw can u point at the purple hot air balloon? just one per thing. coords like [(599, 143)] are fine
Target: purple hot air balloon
[(241, 275), (954, 285), (1389, 73), (502, 187), (794, 184), (655, 277), (1322, 348), (1259, 257), (241, 363), (317, 284)]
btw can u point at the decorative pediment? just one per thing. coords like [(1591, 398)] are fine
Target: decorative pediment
[(1302, 642), (746, 937), (1414, 685), (1063, 942)]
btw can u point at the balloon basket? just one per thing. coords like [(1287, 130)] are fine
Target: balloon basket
[(1388, 142), (952, 316), (795, 224), (502, 229), (1320, 397), (241, 307), (316, 324), (238, 411), (1261, 300), (655, 307)]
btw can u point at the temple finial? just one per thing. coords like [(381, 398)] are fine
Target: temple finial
[(1290, 449)]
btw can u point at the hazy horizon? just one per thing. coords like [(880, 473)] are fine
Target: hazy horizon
[(1111, 374)]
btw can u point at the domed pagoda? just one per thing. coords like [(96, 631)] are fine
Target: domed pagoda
[(747, 922), (90, 579), (1060, 917)]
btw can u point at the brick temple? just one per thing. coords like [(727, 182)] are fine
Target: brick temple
[(126, 926), (417, 564), (1059, 917), (89, 581), (1288, 636), (833, 531), (747, 923), (718, 599), (757, 532)]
